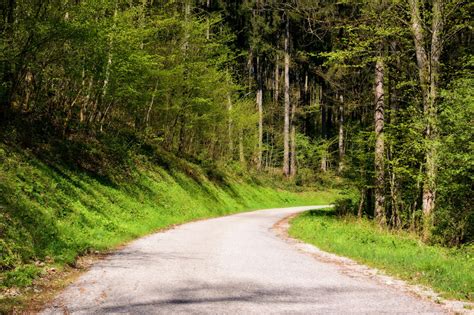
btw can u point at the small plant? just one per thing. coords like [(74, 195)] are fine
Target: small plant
[(21, 276), (343, 207)]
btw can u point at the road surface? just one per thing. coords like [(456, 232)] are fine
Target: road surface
[(229, 265)]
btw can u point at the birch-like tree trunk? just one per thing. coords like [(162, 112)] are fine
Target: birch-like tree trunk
[(286, 127), (379, 142)]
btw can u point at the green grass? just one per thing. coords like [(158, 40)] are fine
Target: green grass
[(54, 213), (448, 271)]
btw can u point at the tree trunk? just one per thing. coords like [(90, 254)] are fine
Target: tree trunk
[(341, 134), (152, 101), (276, 94), (379, 143), (286, 127), (360, 210), (293, 141), (260, 116), (428, 66), (429, 186), (241, 148)]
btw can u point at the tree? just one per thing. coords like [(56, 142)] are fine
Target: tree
[(428, 67), (379, 142)]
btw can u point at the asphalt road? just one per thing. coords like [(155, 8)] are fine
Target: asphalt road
[(229, 265)]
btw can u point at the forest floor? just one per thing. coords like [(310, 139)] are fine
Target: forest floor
[(448, 271), (232, 264)]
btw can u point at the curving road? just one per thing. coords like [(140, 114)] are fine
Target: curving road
[(229, 265)]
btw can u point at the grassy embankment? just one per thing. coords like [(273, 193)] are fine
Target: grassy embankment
[(450, 271), (51, 214)]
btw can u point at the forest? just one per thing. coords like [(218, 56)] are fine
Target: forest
[(377, 95)]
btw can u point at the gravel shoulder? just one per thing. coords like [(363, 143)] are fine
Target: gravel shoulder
[(228, 265)]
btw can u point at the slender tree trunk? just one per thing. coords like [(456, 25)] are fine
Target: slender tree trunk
[(150, 106), (241, 148), (286, 127), (379, 142), (360, 210), (276, 94), (293, 141), (85, 104), (322, 124), (341, 134), (260, 115)]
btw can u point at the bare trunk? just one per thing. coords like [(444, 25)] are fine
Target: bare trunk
[(341, 134), (286, 128), (379, 143)]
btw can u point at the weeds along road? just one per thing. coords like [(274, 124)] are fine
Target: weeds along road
[(229, 265)]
